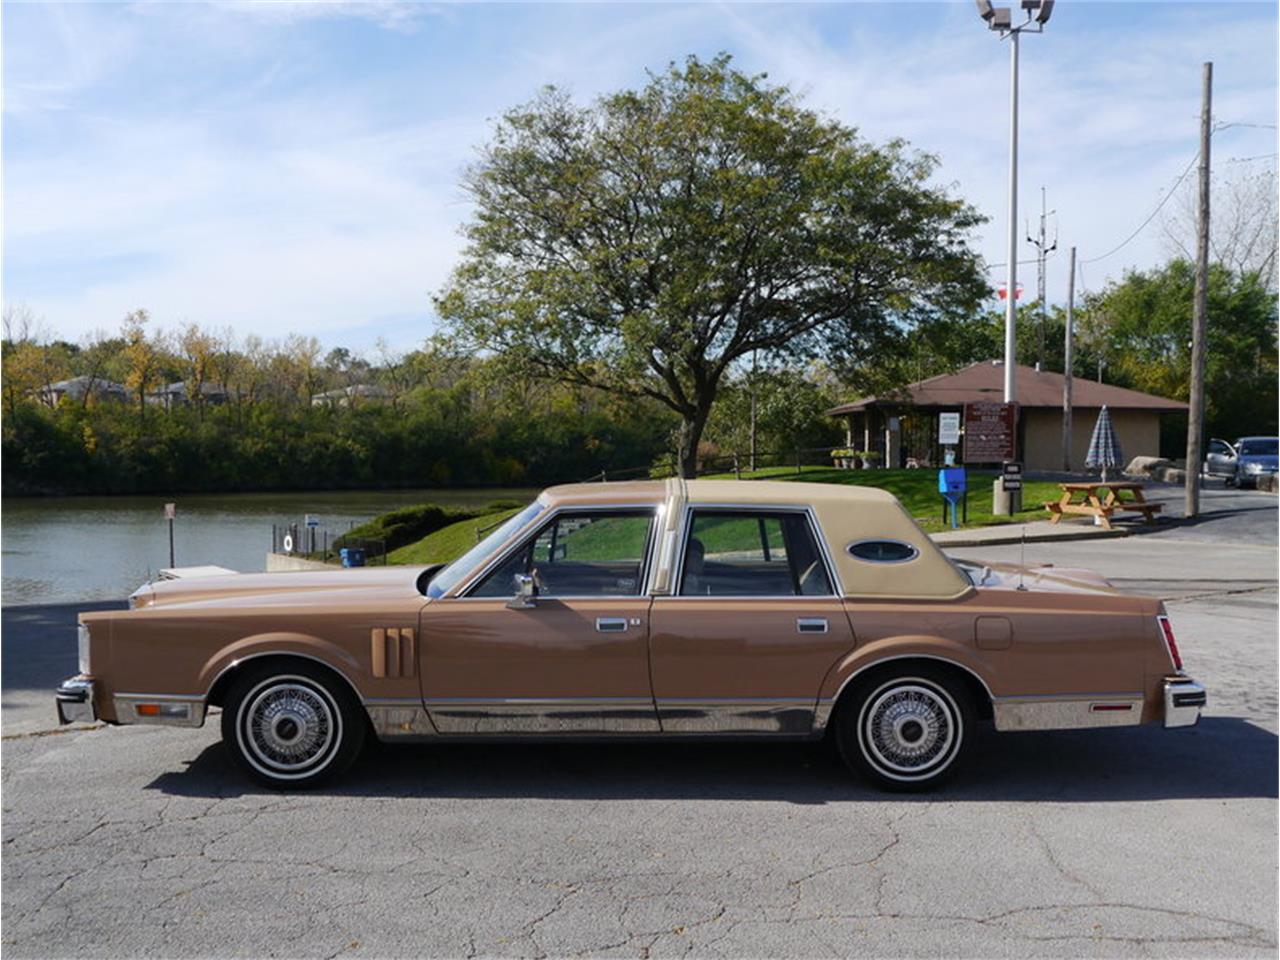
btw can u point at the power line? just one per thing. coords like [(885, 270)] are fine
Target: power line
[(1261, 156), (1256, 126), (1159, 206), (993, 266)]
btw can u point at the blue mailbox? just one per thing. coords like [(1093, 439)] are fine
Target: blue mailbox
[(954, 487)]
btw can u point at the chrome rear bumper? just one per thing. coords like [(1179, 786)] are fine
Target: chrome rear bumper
[(1183, 701), (75, 701)]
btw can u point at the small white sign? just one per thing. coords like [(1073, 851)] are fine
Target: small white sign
[(312, 521), (948, 429), (170, 511)]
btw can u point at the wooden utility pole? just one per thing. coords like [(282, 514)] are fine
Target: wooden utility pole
[(1066, 364), (1195, 421)]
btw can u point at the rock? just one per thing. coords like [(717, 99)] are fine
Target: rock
[(1145, 466), (1170, 475)]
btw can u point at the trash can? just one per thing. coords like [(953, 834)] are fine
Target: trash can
[(352, 556)]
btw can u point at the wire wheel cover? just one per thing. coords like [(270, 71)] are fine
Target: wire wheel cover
[(289, 727), (909, 729)]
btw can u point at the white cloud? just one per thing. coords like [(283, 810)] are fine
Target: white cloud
[(239, 163)]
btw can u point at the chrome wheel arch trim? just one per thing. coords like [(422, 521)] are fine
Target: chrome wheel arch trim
[(241, 661), (825, 706)]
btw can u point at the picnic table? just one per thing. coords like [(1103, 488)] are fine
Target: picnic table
[(1087, 499)]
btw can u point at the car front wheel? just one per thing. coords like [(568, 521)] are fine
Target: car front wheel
[(906, 732), (291, 726)]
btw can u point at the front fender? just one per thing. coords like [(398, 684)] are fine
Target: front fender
[(275, 644)]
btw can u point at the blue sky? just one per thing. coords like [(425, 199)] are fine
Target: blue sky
[(280, 167)]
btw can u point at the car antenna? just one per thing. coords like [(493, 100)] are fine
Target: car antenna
[(1022, 558)]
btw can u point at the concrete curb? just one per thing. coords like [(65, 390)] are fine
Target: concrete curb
[(1013, 533)]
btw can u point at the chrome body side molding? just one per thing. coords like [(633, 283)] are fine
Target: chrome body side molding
[(573, 715), (399, 718), (1073, 712), (763, 716), (567, 715)]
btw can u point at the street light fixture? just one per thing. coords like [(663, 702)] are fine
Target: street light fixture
[(1000, 19)]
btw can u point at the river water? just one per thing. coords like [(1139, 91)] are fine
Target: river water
[(71, 549)]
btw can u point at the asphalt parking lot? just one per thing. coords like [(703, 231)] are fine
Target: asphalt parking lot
[(1139, 842)]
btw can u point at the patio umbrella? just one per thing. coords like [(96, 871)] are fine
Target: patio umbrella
[(1104, 448)]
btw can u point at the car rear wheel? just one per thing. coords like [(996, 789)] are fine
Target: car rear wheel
[(906, 731), (291, 725)]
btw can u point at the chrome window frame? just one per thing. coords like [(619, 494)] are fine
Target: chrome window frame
[(815, 529), (915, 551), (463, 585), (539, 523)]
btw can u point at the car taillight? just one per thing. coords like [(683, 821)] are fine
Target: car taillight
[(1166, 628)]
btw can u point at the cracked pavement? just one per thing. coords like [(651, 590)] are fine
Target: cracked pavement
[(1116, 843)]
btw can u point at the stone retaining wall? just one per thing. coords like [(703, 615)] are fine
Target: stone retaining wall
[(284, 562)]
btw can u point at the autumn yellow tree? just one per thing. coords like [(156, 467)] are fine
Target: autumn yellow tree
[(141, 358)]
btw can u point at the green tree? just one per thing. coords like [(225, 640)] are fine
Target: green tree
[(646, 242), (1141, 325)]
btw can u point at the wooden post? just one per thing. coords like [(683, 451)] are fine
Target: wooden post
[(1066, 364), (1195, 421)]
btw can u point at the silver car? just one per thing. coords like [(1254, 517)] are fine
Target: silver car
[(1241, 463)]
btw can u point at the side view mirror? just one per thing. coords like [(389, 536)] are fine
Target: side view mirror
[(526, 595)]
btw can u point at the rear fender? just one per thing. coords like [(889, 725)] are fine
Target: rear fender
[(886, 651)]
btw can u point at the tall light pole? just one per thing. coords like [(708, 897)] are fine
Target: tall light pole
[(1000, 19)]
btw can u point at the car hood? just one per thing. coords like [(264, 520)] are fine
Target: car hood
[(1267, 460), (1044, 579), (391, 582)]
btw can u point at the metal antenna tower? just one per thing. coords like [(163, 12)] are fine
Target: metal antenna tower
[(1043, 249)]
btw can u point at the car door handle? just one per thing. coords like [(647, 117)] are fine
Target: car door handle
[(811, 624), (611, 624)]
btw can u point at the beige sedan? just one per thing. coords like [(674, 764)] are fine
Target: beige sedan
[(660, 609)]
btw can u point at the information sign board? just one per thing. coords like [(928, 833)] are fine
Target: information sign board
[(948, 429), (989, 432)]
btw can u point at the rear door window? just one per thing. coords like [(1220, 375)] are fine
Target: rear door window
[(732, 553)]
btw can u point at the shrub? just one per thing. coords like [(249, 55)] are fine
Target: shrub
[(405, 525)]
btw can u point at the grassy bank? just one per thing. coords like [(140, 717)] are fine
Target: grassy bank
[(450, 541), (918, 492)]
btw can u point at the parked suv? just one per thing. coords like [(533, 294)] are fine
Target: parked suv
[(1243, 462)]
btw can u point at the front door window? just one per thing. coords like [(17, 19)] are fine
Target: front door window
[(579, 554)]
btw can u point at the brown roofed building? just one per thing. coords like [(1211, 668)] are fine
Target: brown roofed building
[(904, 425)]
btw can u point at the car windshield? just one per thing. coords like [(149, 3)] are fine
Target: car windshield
[(448, 578), (1259, 448)]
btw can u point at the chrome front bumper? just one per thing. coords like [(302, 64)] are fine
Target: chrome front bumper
[(1183, 701), (75, 701)]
